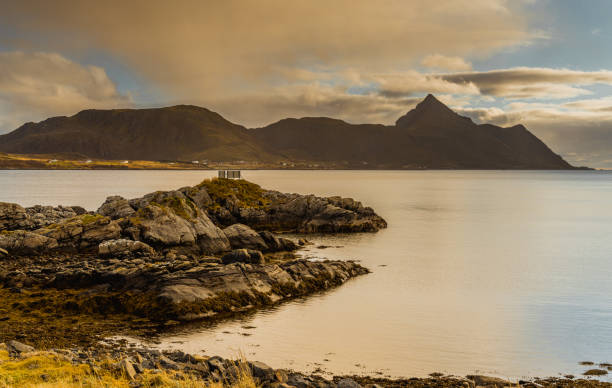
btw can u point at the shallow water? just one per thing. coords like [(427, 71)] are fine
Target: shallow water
[(497, 272)]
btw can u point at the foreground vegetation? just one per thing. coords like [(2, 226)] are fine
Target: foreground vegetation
[(51, 370)]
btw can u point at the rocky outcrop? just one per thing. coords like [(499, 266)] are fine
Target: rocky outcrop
[(179, 289), (169, 219), (272, 210), (15, 217), (185, 221), (83, 232)]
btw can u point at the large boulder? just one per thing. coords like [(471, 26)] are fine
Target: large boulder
[(116, 207), (247, 256), (241, 236), (169, 219), (124, 248), (21, 242)]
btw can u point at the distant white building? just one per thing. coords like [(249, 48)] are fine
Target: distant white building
[(229, 174)]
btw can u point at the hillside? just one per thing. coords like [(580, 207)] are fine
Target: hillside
[(181, 132), (429, 136)]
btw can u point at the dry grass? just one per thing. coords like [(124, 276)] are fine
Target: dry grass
[(60, 162), (48, 370)]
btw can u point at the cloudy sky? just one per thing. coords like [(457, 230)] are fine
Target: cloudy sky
[(544, 63)]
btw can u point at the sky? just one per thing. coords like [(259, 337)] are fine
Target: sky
[(544, 63)]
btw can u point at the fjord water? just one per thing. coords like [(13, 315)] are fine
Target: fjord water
[(496, 272)]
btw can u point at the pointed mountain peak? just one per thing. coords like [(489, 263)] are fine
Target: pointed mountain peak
[(429, 110), (431, 102), (430, 99)]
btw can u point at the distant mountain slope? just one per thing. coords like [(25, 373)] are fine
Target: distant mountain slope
[(429, 136), (180, 132)]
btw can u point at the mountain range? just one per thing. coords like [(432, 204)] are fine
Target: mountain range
[(429, 136)]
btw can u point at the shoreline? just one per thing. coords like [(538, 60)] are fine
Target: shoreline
[(45, 162), (117, 364)]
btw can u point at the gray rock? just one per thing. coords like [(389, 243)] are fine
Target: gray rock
[(276, 244), (167, 363), (261, 370), (15, 348), (126, 367), (216, 364), (176, 221), (124, 248), (488, 381), (198, 195), (299, 381), (241, 236), (24, 242), (243, 256), (12, 216), (116, 207), (348, 383)]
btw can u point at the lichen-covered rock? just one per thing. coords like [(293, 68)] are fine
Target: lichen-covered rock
[(15, 217), (241, 236), (198, 195), (82, 232), (124, 248), (40, 216), (23, 242), (249, 256), (116, 207)]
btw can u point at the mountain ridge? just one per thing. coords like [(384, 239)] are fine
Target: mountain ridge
[(431, 135)]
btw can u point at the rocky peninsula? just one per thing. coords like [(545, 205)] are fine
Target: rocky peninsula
[(71, 276)]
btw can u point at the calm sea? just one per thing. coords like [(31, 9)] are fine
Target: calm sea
[(497, 272)]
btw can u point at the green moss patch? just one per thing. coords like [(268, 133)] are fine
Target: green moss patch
[(239, 191)]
